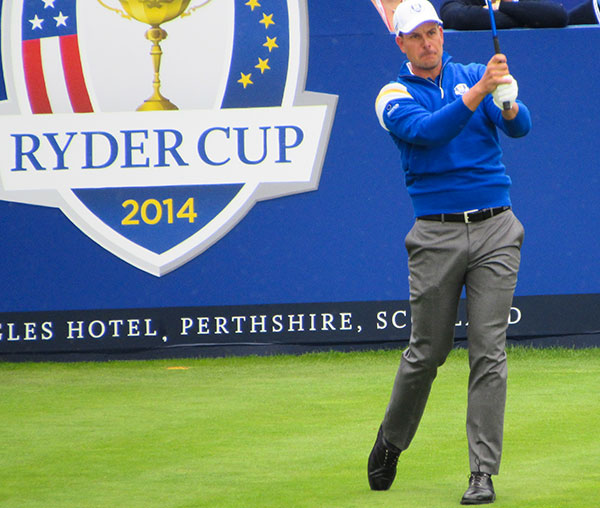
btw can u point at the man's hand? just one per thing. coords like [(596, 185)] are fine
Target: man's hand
[(506, 92), (496, 73)]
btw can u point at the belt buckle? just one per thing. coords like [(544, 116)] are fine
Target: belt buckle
[(466, 215)]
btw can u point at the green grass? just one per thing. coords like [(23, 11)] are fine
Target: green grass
[(285, 431)]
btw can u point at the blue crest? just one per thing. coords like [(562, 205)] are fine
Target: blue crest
[(159, 185)]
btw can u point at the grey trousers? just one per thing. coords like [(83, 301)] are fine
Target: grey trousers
[(444, 257)]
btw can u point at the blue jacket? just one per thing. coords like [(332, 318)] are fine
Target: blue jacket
[(451, 156)]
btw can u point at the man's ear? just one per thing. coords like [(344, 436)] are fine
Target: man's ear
[(400, 42)]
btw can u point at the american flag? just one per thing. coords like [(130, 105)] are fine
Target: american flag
[(51, 59)]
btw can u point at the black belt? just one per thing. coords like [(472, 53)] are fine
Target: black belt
[(466, 217)]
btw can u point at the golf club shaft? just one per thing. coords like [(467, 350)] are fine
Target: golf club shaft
[(505, 105)]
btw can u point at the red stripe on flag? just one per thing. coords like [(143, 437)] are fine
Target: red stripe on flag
[(71, 60), (34, 77)]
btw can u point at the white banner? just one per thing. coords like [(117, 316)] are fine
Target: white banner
[(110, 150)]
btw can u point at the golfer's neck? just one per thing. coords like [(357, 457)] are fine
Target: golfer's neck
[(427, 73)]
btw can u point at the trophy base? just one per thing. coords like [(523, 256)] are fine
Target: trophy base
[(157, 105)]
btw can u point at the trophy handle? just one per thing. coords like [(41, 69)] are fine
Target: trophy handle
[(192, 9), (118, 11)]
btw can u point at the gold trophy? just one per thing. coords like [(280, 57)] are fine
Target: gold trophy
[(155, 13)]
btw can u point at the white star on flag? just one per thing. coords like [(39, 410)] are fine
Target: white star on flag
[(36, 22), (48, 3), (61, 19)]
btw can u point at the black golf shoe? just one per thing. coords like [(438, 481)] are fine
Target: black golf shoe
[(382, 463), (480, 491)]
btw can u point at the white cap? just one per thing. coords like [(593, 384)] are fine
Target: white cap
[(411, 13)]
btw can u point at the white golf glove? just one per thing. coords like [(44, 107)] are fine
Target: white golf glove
[(506, 92)]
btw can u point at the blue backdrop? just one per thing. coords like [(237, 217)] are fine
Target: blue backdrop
[(344, 241)]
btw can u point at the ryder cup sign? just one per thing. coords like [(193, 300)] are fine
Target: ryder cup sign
[(156, 125)]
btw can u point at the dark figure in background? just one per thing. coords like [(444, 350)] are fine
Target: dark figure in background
[(587, 13), (473, 15)]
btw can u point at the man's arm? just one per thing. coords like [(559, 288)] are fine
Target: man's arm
[(535, 13), (400, 114), (471, 15), (519, 125)]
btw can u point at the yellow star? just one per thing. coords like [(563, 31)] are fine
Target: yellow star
[(245, 79), (262, 65), (271, 43), (267, 20), (252, 4)]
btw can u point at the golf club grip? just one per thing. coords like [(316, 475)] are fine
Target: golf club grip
[(496, 44), (505, 105)]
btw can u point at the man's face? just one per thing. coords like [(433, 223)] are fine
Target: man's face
[(423, 47)]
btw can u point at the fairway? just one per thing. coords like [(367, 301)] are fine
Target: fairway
[(285, 431)]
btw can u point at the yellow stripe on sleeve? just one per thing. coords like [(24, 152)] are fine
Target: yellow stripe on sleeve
[(390, 92)]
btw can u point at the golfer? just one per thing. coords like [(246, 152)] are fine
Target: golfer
[(444, 117)]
